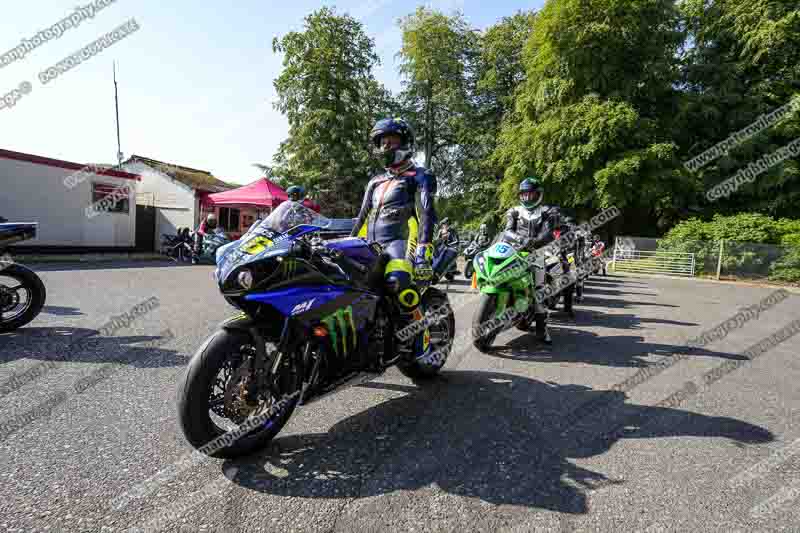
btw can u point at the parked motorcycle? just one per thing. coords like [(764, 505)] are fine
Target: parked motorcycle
[(445, 261), (506, 281), (177, 247), (469, 256), (314, 318), (22, 293), (211, 243)]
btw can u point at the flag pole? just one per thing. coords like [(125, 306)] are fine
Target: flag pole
[(116, 106)]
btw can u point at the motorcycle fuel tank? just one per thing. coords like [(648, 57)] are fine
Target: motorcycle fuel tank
[(354, 248)]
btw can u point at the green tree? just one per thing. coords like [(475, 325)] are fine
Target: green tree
[(331, 99), (435, 56), (498, 72), (590, 116), (743, 61)]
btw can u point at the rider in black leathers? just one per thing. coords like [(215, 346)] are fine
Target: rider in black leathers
[(482, 239), (446, 232), (533, 225), (296, 193), (582, 256), (389, 217), (568, 231), (446, 240)]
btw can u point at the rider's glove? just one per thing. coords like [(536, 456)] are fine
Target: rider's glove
[(422, 263)]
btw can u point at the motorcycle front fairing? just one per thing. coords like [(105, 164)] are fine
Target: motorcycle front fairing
[(315, 299), (273, 236), (252, 248)]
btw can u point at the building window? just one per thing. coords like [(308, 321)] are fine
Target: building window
[(117, 195), (229, 219)]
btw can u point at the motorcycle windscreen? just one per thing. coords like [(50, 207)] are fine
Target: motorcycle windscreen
[(272, 236)]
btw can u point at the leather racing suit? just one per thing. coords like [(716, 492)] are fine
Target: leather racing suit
[(534, 227), (389, 217), (483, 240), (581, 256)]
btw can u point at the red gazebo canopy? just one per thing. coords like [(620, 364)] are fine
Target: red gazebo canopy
[(261, 193)]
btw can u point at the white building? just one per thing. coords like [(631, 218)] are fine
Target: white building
[(175, 191), (59, 195)]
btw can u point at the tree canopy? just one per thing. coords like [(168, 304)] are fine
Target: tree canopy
[(605, 100)]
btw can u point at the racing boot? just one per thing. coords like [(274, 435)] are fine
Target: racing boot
[(568, 298), (542, 332)]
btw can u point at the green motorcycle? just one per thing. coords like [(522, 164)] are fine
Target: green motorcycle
[(507, 284)]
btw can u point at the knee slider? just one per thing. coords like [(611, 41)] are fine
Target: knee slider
[(408, 298)]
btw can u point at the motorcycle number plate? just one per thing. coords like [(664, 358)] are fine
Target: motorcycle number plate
[(256, 245)]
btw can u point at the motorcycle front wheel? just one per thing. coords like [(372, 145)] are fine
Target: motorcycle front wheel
[(212, 397), (481, 338), (468, 270)]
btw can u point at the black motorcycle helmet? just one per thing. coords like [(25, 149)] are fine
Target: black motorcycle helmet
[(392, 157), (211, 221), (530, 192), (296, 193)]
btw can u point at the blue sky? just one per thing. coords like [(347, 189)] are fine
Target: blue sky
[(195, 81)]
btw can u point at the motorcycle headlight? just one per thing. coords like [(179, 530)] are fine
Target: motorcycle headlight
[(514, 265), (245, 279)]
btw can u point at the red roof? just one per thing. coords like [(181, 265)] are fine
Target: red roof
[(40, 160), (261, 192)]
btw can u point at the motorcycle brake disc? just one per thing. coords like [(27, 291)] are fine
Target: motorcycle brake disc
[(237, 402)]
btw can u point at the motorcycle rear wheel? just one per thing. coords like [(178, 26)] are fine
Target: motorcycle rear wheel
[(36, 295), (444, 329)]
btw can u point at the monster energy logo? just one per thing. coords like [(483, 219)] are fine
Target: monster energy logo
[(289, 267), (338, 324)]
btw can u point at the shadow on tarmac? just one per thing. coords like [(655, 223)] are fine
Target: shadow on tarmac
[(484, 435)]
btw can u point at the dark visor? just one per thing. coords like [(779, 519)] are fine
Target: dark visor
[(529, 196)]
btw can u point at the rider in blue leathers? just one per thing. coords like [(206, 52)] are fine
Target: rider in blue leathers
[(389, 216)]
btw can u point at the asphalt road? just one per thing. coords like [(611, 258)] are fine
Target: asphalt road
[(496, 444)]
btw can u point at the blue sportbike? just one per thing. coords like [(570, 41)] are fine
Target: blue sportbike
[(315, 318)]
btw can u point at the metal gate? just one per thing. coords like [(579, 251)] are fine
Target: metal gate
[(636, 260), (145, 228)]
